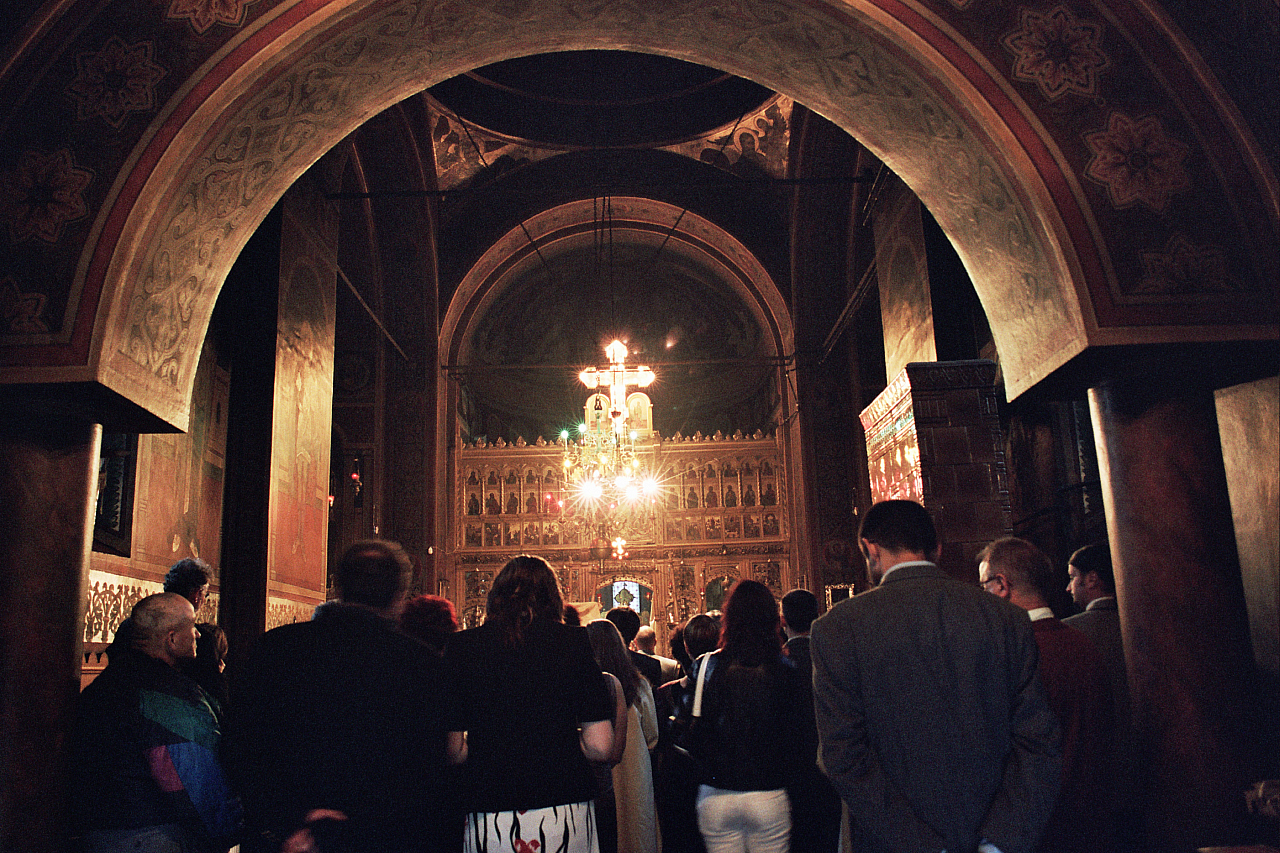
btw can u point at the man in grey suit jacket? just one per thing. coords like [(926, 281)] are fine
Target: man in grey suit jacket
[(933, 724)]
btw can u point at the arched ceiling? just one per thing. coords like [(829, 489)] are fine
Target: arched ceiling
[(673, 312), (685, 296), (1111, 197), (599, 98)]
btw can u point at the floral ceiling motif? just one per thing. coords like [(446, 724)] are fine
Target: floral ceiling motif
[(1184, 267), (20, 313), (41, 194), (1137, 162), (1058, 52), (203, 14), (115, 81)]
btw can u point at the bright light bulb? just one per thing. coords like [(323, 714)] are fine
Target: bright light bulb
[(650, 486)]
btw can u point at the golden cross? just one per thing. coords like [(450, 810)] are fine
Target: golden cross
[(617, 376)]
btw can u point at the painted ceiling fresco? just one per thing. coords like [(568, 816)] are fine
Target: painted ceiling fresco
[(142, 143)]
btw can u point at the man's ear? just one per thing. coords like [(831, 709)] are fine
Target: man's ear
[(1092, 582)]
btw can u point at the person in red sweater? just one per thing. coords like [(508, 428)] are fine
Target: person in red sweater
[(1075, 678)]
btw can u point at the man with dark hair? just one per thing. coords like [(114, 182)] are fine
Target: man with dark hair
[(1091, 582), (815, 805), (627, 621), (189, 578), (341, 715), (932, 721), (1075, 678), (145, 773)]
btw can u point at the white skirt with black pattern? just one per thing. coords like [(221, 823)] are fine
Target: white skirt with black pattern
[(570, 828)]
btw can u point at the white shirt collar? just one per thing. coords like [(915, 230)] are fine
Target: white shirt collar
[(1038, 613), (1099, 601), (894, 568)]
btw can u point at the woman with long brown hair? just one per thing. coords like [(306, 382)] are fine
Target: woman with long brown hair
[(529, 708), (636, 823), (750, 717)]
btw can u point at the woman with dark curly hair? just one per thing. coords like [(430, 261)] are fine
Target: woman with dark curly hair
[(529, 709), (751, 739)]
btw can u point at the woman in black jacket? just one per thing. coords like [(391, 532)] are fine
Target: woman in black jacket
[(750, 729)]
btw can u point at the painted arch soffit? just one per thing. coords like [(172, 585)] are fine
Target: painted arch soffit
[(295, 78)]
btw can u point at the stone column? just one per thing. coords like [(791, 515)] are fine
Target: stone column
[(934, 436), (1182, 609), (48, 475)]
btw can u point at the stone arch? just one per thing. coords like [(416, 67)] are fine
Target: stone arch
[(906, 81), (280, 95)]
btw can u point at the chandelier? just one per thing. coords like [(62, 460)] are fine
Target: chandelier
[(606, 483)]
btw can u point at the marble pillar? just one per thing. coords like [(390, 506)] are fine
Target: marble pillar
[(48, 474), (1182, 609)]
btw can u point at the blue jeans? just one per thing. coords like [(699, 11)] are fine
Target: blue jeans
[(744, 821)]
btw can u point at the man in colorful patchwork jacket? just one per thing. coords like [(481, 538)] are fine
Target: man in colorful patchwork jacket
[(145, 772)]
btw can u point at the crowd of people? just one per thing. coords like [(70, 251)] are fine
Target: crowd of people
[(926, 714)]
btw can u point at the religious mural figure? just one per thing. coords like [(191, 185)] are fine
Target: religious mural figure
[(770, 524), (751, 526), (491, 505), (513, 505), (769, 497), (730, 498), (749, 496), (712, 500), (473, 505), (691, 501)]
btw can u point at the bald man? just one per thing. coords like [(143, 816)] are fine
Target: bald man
[(646, 643), (145, 769), (1075, 677)]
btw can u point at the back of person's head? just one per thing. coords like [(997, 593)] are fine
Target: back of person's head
[(374, 573), (899, 525), (749, 631), (525, 591), (678, 649), (430, 619), (187, 575), (211, 655), (154, 617), (212, 645), (646, 639), (611, 656), (799, 609), (701, 635), (1025, 567), (1096, 558), (626, 620), (572, 616)]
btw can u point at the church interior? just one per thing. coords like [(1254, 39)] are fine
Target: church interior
[(281, 275)]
